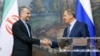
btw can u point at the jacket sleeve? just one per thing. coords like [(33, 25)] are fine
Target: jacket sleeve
[(20, 34), (54, 44)]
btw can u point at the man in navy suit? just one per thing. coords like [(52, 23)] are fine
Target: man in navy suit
[(74, 29), (77, 29)]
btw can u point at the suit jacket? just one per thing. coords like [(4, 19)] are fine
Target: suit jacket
[(79, 30), (22, 42)]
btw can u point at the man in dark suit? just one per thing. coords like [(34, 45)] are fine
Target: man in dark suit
[(77, 29), (74, 29), (22, 35)]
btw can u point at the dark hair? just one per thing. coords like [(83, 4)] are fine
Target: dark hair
[(21, 8), (70, 11)]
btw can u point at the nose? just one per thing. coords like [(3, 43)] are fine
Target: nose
[(63, 17), (29, 15)]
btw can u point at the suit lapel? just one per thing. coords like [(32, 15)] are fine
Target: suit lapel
[(73, 31), (23, 27)]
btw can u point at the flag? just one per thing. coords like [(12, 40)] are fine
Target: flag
[(84, 14), (10, 15)]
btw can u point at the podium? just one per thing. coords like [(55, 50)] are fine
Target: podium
[(68, 43), (80, 42)]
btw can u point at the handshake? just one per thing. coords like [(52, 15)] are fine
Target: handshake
[(62, 43), (46, 42)]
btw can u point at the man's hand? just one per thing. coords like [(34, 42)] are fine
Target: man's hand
[(46, 42)]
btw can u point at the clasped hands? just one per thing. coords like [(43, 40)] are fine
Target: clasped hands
[(46, 42)]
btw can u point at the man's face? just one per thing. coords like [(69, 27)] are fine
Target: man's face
[(66, 17), (25, 14)]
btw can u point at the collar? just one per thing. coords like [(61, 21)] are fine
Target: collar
[(23, 21), (73, 22)]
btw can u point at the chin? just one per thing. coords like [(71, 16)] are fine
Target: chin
[(27, 20), (66, 22)]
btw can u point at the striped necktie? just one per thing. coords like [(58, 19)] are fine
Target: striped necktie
[(68, 30)]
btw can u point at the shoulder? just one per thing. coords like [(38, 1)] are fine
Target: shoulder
[(81, 23), (17, 23)]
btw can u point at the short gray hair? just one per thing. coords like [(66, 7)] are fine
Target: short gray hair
[(70, 11)]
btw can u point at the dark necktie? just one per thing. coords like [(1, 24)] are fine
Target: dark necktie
[(27, 29)]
